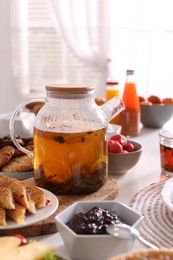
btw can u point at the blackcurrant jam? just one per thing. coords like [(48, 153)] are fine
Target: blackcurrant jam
[(94, 221)]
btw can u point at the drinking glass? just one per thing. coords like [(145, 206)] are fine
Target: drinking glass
[(166, 152)]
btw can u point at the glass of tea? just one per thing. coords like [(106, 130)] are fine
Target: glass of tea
[(166, 152)]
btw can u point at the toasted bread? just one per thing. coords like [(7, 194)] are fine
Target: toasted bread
[(19, 192), (23, 163), (3, 217), (37, 195), (6, 198), (17, 214), (146, 254), (6, 153), (18, 198)]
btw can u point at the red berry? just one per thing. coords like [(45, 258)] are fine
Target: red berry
[(114, 146), (110, 142), (129, 147), (124, 151), (120, 138)]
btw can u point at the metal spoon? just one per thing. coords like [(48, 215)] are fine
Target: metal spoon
[(127, 232)]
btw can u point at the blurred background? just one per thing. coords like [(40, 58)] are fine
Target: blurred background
[(64, 41)]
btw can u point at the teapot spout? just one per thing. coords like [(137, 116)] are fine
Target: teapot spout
[(112, 108)]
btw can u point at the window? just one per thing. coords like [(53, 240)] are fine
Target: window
[(141, 39), (48, 57)]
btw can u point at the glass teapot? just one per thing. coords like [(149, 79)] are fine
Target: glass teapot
[(70, 139)]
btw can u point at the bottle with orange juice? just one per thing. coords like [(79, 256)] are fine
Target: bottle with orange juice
[(130, 117), (112, 90)]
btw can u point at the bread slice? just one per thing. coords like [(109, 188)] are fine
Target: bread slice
[(7, 243), (146, 254), (34, 250), (23, 163), (19, 192), (37, 195), (3, 217), (17, 214), (6, 198), (6, 153)]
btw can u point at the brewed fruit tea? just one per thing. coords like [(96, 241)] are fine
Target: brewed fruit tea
[(70, 163), (166, 154)]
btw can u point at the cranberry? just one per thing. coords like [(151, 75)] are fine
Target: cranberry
[(129, 147), (120, 138), (114, 146)]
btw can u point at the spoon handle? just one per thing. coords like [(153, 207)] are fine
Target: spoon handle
[(145, 242)]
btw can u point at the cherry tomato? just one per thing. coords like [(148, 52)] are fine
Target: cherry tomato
[(129, 147), (114, 146), (22, 239), (120, 138)]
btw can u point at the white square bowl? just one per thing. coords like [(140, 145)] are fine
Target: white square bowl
[(94, 247)]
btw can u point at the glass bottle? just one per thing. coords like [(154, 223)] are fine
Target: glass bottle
[(130, 117), (112, 90)]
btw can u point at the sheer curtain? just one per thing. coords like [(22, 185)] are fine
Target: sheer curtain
[(12, 71), (133, 34), (85, 27), (20, 45), (71, 40)]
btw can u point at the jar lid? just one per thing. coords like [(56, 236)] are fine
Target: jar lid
[(110, 82), (71, 89)]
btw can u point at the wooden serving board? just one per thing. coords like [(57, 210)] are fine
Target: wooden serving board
[(108, 192)]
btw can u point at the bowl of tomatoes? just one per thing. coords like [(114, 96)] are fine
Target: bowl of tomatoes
[(123, 154)]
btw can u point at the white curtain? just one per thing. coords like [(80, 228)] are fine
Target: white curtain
[(13, 79), (134, 34), (85, 27), (19, 45)]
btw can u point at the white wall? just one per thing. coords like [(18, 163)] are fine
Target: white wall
[(9, 97)]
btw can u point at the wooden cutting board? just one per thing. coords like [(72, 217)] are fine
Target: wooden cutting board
[(108, 192)]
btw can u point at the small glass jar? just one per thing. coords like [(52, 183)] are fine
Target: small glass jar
[(112, 90)]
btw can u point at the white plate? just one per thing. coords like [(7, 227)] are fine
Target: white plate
[(167, 193), (19, 175), (41, 214)]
